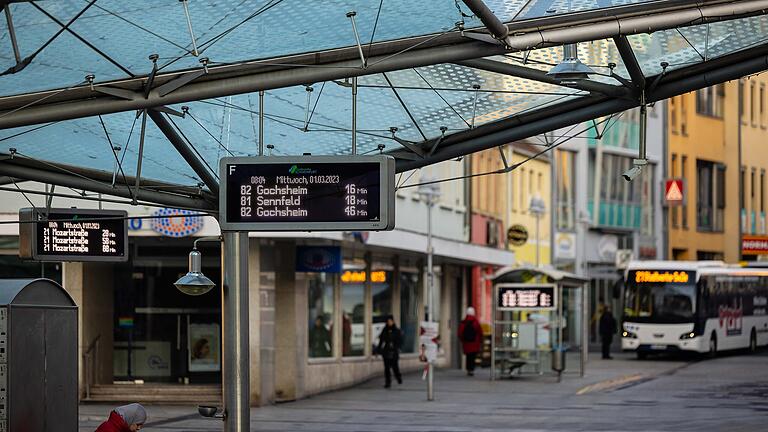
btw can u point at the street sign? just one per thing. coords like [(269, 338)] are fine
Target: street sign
[(307, 193), (674, 192), (623, 257), (73, 235), (516, 297)]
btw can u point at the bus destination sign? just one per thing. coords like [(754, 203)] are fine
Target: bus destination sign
[(307, 193), (73, 235)]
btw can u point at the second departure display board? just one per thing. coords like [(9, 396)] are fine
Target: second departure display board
[(307, 193), (70, 234)]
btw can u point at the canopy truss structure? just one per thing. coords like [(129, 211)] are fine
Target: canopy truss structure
[(141, 99)]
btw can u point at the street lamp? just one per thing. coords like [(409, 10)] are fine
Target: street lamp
[(570, 70), (429, 191), (195, 283), (537, 208)]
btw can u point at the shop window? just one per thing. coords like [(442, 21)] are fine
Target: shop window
[(566, 190), (381, 294), (353, 314), (320, 315), (409, 309)]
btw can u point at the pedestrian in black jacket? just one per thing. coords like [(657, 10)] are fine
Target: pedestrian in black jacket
[(607, 330), (390, 341)]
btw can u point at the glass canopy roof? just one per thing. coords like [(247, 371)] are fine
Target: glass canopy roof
[(52, 46)]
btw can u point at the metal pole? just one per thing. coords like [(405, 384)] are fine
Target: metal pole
[(12, 34), (430, 297), (261, 123), (538, 218), (354, 115), (560, 332), (235, 330), (584, 322)]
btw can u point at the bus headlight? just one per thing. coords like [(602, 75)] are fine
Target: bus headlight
[(690, 335), (628, 334)]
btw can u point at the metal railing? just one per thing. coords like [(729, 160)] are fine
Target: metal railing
[(90, 365)]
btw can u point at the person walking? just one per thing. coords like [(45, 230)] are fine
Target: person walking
[(471, 337), (607, 330), (126, 418), (390, 341)]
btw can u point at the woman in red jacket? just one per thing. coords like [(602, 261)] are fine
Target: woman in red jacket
[(127, 418), (471, 337)]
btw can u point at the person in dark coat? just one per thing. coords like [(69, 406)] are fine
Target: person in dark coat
[(319, 339), (126, 418), (471, 337), (607, 330), (390, 341)]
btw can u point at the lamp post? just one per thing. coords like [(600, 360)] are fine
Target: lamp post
[(537, 208), (430, 193)]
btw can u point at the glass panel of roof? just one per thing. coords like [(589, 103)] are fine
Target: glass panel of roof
[(595, 54), (226, 31), (541, 8), (436, 96), (690, 45), (83, 143)]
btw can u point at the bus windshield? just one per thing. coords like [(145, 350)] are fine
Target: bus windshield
[(660, 302)]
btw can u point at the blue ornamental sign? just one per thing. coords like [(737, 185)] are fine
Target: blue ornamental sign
[(176, 223)]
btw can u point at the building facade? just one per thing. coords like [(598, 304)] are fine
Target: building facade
[(599, 216)]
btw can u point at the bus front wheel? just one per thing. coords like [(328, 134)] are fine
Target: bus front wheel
[(642, 355)]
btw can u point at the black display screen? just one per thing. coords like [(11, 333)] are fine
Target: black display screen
[(525, 298), (86, 236), (303, 192)]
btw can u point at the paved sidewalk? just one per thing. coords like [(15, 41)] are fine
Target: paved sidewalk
[(612, 393)]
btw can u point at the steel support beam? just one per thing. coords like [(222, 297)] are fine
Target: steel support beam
[(491, 21), (630, 61), (389, 56), (584, 109), (19, 171), (541, 76), (185, 150)]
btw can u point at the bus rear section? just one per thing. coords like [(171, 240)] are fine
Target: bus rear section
[(661, 312)]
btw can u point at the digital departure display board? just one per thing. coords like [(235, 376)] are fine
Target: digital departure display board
[(515, 297), (73, 235), (307, 193)]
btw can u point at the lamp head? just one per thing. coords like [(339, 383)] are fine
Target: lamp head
[(194, 283)]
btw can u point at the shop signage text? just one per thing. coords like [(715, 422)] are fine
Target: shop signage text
[(359, 276), (754, 245)]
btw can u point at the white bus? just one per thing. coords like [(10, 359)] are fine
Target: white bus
[(696, 306)]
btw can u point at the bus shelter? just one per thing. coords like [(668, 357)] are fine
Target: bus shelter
[(539, 321)]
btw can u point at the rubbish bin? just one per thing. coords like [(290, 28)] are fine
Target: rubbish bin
[(38, 357), (558, 358)]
